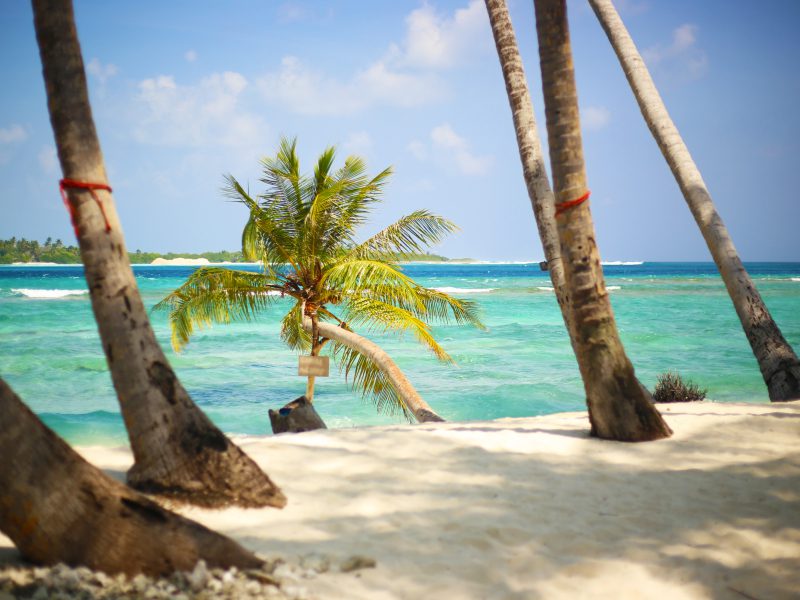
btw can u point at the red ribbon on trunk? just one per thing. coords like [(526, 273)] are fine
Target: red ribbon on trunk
[(565, 206), (83, 185)]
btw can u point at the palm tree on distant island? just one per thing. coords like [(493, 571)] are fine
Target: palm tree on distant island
[(302, 231)]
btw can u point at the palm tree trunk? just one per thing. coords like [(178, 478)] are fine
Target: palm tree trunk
[(778, 362), (530, 150), (57, 508), (420, 409), (178, 452), (315, 348), (619, 407)]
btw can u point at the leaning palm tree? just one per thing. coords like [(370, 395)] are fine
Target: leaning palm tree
[(778, 362), (57, 508), (177, 450), (302, 230), (530, 149), (620, 408)]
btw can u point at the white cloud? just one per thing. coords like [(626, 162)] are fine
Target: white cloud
[(405, 76), (450, 150), (8, 136), (595, 117), (48, 159), (190, 56), (12, 134), (418, 149), (358, 142), (291, 12), (206, 114), (437, 41), (101, 71), (309, 92), (681, 55)]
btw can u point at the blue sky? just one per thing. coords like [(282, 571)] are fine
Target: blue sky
[(184, 91)]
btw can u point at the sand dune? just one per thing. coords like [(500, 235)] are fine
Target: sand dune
[(534, 508)]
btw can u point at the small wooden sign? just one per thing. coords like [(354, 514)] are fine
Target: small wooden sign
[(316, 366)]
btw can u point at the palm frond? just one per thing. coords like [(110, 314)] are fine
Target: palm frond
[(358, 200), (410, 234), (371, 278), (292, 331), (443, 308), (216, 295), (267, 236), (322, 168), (364, 375), (372, 314)]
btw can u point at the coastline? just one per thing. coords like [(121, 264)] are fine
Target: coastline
[(533, 507)]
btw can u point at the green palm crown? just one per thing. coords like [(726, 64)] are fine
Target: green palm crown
[(302, 231)]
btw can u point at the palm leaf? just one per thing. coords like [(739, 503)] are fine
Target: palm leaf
[(216, 295), (292, 331), (365, 376), (408, 235), (375, 315), (372, 278)]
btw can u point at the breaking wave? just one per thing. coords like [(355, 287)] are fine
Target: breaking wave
[(455, 290), (48, 294)]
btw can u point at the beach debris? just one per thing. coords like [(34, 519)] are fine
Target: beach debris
[(63, 582), (277, 579), (356, 563)]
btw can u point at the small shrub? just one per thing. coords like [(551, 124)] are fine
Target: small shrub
[(671, 388)]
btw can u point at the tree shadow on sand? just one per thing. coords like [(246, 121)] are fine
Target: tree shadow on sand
[(524, 524)]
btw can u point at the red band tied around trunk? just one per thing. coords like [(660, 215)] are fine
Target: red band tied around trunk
[(83, 185), (565, 206)]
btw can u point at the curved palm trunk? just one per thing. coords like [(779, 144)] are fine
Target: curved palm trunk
[(619, 408), (178, 452), (779, 364), (530, 150), (421, 409), (57, 508)]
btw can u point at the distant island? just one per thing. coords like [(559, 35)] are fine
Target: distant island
[(31, 251)]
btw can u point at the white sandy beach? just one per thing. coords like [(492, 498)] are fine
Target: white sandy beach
[(534, 508)]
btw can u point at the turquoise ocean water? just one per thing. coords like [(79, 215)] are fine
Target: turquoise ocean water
[(674, 316)]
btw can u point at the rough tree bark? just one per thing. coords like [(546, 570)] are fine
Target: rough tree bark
[(530, 149), (619, 408), (56, 507), (178, 452), (420, 409), (778, 362)]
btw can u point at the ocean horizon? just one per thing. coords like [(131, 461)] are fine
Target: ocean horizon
[(671, 316)]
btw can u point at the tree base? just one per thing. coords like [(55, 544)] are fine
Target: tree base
[(784, 385), (199, 465), (57, 508), (297, 416)]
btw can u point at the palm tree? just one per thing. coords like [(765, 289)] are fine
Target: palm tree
[(778, 362), (57, 508), (302, 231), (619, 407), (178, 452), (530, 150)]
